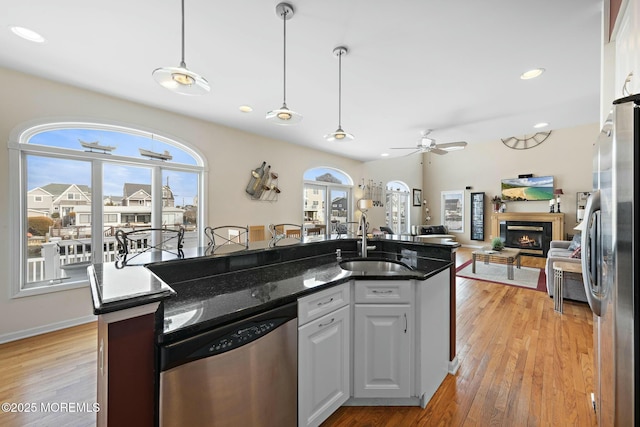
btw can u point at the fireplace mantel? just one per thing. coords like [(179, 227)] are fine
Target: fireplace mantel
[(556, 219)]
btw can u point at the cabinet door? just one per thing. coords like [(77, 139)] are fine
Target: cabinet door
[(324, 358), (382, 350)]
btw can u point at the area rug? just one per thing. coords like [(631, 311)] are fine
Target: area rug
[(524, 277)]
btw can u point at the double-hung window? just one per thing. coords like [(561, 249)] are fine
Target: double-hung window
[(74, 184)]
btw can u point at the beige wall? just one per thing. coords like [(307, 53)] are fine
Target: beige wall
[(231, 154), (407, 169), (566, 154)]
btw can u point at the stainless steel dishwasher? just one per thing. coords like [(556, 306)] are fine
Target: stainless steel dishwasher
[(242, 374)]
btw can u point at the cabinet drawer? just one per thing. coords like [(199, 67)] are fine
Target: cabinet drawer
[(384, 291), (320, 303)]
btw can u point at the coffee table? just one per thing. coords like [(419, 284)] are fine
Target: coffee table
[(507, 256)]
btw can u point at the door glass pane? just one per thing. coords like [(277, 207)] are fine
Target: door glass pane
[(180, 204), (315, 213), (339, 208), (397, 207), (58, 234)]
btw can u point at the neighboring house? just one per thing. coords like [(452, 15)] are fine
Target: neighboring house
[(136, 194), (140, 195), (117, 216), (313, 203), (57, 198), (112, 201), (73, 203), (339, 206), (39, 202)]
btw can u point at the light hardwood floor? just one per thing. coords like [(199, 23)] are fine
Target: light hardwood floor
[(521, 364)]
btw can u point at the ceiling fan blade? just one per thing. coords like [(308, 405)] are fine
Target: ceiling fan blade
[(438, 151), (402, 148), (411, 154), (450, 146)]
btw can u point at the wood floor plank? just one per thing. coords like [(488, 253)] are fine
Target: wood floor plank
[(521, 363)]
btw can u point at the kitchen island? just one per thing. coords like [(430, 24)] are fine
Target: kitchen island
[(181, 298)]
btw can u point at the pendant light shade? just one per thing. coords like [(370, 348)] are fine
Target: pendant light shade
[(339, 134), (283, 115), (180, 79)]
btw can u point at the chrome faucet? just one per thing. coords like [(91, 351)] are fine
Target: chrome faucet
[(363, 227)]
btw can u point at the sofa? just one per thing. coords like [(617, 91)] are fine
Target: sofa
[(434, 232), (567, 251)]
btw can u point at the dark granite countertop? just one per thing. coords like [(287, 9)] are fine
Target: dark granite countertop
[(204, 291), (114, 289), (208, 302)]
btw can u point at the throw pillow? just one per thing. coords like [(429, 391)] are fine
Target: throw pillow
[(577, 253), (575, 242)]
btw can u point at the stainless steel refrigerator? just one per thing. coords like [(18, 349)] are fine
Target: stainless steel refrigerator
[(609, 260)]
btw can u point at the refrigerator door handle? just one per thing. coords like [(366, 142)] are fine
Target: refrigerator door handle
[(590, 253)]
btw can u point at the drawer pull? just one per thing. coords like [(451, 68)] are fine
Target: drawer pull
[(325, 302), (376, 291), (406, 323), (322, 325)]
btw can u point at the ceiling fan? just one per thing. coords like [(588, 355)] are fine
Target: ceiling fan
[(428, 145)]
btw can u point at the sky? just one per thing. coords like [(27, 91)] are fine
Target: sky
[(46, 170)]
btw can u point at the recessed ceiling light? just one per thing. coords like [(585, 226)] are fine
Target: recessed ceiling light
[(27, 34), (541, 125), (384, 154), (245, 108), (532, 74)]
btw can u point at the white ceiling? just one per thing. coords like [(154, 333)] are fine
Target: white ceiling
[(450, 66)]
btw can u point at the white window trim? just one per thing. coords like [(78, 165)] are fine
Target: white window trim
[(327, 188), (18, 194), (406, 192)]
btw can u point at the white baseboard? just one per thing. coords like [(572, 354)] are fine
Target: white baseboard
[(454, 365), (13, 336)]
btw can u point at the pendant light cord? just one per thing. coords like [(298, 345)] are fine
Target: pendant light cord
[(182, 63), (340, 90), (284, 56)]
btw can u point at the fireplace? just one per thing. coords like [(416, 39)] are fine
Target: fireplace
[(531, 237)]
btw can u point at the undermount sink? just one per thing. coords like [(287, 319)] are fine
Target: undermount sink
[(372, 265)]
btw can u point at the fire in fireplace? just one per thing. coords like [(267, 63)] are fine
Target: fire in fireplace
[(532, 238)]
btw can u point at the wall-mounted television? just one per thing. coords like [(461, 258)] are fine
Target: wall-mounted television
[(532, 188)]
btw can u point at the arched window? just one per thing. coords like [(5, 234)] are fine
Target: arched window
[(77, 182), (327, 200), (397, 207)]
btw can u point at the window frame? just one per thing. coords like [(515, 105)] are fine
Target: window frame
[(19, 148), (328, 186), (406, 195)]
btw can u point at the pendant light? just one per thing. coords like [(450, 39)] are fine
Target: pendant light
[(283, 115), (339, 134), (180, 79)]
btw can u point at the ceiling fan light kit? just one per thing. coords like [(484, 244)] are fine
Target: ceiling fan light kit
[(180, 79), (283, 115), (339, 134)]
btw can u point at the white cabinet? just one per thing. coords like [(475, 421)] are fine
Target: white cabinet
[(324, 354), (383, 339), (627, 41), (382, 350), (432, 334)]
